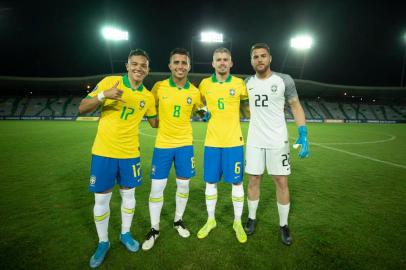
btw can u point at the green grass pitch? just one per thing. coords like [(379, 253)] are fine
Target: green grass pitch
[(348, 204)]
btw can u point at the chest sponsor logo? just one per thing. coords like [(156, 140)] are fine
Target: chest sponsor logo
[(232, 92), (189, 100)]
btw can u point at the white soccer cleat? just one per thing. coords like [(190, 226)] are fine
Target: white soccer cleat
[(150, 239), (181, 228)]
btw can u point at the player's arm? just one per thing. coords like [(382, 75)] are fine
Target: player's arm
[(153, 122), (89, 104), (151, 113), (202, 109), (300, 119)]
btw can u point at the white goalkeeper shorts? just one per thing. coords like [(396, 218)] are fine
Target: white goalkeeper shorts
[(277, 161)]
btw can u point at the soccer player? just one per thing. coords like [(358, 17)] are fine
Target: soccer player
[(267, 142), (115, 154), (176, 98), (223, 151)]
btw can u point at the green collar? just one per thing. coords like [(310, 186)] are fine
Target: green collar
[(173, 84), (214, 78), (127, 83)]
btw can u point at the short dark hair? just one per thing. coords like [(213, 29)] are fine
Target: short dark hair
[(222, 50), (140, 52), (180, 51), (260, 45)]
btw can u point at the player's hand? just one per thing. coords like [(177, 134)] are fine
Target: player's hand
[(302, 142), (114, 93), (206, 116)]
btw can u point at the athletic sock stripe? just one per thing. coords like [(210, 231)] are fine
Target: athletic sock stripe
[(211, 197), (238, 199), (160, 199), (182, 195), (128, 210), (102, 217)]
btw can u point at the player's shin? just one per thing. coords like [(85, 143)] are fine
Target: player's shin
[(156, 201), (101, 212), (182, 195), (211, 199), (127, 208), (237, 194)]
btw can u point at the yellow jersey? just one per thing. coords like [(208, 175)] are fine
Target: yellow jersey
[(117, 133), (175, 108), (223, 102)]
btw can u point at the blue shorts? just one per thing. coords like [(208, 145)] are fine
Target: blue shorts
[(227, 162), (182, 157), (105, 171)]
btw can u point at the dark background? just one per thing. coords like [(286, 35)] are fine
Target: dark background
[(356, 42)]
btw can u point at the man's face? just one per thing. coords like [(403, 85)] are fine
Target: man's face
[(180, 66), (137, 67), (222, 63), (260, 60)]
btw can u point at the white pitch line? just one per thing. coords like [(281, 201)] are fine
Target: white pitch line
[(391, 138), (359, 155)]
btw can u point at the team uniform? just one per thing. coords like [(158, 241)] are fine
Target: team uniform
[(115, 152), (267, 142), (223, 153), (174, 141)]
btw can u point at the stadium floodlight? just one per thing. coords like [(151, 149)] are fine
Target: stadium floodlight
[(211, 37), (402, 74), (111, 33), (303, 42)]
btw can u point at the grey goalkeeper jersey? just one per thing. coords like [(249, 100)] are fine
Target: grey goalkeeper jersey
[(267, 128)]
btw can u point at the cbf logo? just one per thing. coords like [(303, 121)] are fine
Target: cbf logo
[(142, 104), (92, 180), (189, 100), (274, 88), (232, 92)]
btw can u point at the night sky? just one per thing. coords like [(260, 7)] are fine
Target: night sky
[(356, 42)]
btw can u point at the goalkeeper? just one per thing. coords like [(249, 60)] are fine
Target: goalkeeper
[(267, 142)]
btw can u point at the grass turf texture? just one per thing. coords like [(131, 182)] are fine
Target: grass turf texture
[(347, 212)]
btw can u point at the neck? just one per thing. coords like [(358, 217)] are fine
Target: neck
[(265, 75), (222, 77), (179, 82), (134, 84)]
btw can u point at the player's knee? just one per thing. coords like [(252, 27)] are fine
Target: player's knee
[(182, 185)]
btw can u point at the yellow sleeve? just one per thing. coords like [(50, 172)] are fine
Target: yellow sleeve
[(103, 85), (202, 90), (244, 93), (154, 92), (198, 104), (151, 111)]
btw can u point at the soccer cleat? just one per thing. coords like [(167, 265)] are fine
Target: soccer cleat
[(150, 239), (98, 256), (181, 228), (285, 235), (239, 232), (205, 230), (128, 241), (249, 227)]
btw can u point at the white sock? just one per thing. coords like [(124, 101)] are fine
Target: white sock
[(237, 195), (182, 195), (127, 209), (252, 208), (211, 199), (101, 213), (156, 201), (283, 210)]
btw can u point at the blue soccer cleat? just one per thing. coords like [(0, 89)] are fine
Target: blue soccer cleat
[(128, 241), (98, 256)]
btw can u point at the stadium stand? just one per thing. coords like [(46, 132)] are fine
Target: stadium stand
[(59, 98)]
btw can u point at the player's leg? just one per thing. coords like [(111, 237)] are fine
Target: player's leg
[(129, 178), (255, 166), (233, 168), (185, 169), (102, 180), (212, 175), (279, 168), (161, 165)]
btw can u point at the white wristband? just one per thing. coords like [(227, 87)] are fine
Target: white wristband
[(101, 96)]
